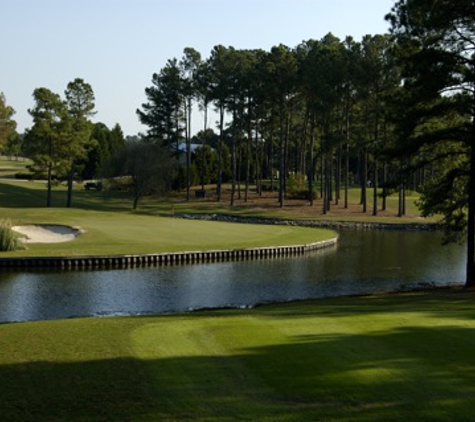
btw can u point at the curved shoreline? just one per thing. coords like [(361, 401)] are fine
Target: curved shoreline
[(164, 258), (323, 224), (186, 257)]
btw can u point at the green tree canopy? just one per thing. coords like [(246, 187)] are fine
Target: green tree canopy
[(436, 46), (45, 140), (7, 124), (80, 105), (148, 167), (61, 131)]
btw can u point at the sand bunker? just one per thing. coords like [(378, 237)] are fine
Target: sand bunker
[(47, 233)]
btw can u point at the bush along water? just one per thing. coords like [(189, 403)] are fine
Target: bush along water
[(8, 238)]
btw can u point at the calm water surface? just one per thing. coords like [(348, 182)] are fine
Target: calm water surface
[(363, 262)]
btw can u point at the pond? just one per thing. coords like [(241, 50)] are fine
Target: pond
[(362, 262)]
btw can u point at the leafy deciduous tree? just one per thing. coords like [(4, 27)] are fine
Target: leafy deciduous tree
[(149, 166)]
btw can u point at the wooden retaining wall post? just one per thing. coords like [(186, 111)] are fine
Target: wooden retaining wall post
[(122, 261)]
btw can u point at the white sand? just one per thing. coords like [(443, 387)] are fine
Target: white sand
[(47, 233)]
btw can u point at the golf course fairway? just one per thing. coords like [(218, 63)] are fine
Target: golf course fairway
[(401, 357)]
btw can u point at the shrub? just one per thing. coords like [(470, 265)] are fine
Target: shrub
[(25, 176), (8, 238), (297, 187), (300, 194)]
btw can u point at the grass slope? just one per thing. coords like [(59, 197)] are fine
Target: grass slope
[(405, 357), (18, 194), (112, 228), (127, 233)]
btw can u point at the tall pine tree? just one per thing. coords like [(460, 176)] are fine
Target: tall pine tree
[(436, 45)]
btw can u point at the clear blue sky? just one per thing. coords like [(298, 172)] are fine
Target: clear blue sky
[(116, 45)]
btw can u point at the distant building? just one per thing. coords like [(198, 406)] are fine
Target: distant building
[(193, 147)]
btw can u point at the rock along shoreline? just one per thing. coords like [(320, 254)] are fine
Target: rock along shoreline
[(326, 224)]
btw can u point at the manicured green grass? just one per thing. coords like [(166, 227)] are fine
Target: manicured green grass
[(111, 229), (17, 194), (10, 166), (404, 357), (123, 233)]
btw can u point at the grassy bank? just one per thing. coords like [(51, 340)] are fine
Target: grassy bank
[(20, 194), (112, 228), (404, 357), (108, 233)]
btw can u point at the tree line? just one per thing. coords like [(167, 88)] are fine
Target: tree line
[(63, 143), (389, 112), (316, 112)]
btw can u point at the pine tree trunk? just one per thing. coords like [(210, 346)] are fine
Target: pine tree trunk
[(327, 184), (281, 157), (203, 147), (402, 201), (347, 174), (338, 176), (239, 169), (271, 157), (50, 171), (258, 165), (233, 182), (48, 193), (311, 165), (248, 161), (233, 160), (322, 166), (364, 180), (69, 201), (188, 150), (220, 153), (375, 188), (324, 185), (347, 153), (470, 268)]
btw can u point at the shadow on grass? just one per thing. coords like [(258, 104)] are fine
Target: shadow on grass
[(34, 196), (109, 390), (411, 374), (449, 302), (15, 196)]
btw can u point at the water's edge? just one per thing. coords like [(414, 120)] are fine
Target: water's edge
[(328, 224), (164, 258)]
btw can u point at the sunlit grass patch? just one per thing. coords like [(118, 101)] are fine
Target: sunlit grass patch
[(402, 357)]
